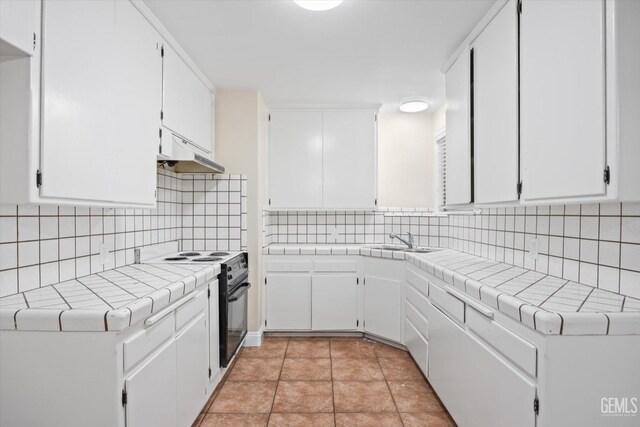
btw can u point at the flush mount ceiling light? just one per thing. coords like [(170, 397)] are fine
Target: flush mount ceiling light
[(317, 5), (413, 106)]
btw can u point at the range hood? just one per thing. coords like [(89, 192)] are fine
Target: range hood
[(182, 156)]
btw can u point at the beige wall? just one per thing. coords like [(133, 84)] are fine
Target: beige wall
[(240, 143), (406, 160)]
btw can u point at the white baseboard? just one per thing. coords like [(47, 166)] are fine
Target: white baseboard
[(254, 339)]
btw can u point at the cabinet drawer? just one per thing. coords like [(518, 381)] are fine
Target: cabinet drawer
[(453, 306), (417, 299), (418, 282), (418, 320), (335, 266), (144, 342), (417, 345), (514, 348), (185, 313), (291, 266)]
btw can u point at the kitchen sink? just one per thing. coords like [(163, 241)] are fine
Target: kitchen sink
[(404, 249)]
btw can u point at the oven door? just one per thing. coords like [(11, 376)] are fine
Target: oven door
[(236, 320)]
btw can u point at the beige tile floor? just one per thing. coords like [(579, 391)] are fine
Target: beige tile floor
[(324, 382)]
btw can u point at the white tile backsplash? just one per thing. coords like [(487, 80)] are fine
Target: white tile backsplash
[(41, 245)]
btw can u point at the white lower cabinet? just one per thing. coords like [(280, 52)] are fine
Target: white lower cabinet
[(151, 391), (192, 370), (493, 383), (334, 302), (383, 298), (289, 302)]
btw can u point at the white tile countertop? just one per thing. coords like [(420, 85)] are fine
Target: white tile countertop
[(547, 304), (112, 300)]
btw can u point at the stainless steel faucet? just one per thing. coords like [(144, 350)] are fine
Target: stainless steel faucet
[(408, 242)]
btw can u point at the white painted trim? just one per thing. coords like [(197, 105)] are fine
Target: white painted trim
[(474, 33), (168, 38), (323, 107), (254, 339)]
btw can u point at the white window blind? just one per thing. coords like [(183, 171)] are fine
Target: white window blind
[(441, 147)]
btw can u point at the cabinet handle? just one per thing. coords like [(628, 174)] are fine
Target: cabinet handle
[(151, 320), (469, 301)]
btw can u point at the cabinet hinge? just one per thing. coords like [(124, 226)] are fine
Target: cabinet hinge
[(160, 132), (357, 323), (269, 202), (155, 194), (519, 188), (209, 372), (520, 6), (607, 175), (269, 117), (375, 202), (375, 117), (124, 397), (364, 281), (265, 323), (162, 51), (160, 148), (536, 405), (357, 280), (34, 41), (209, 296), (161, 114), (38, 178)]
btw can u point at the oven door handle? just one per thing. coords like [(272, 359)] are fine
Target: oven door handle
[(236, 295)]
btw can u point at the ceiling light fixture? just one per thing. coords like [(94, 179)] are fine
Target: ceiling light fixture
[(413, 106), (318, 5)]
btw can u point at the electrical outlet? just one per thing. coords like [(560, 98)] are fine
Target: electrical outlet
[(532, 250), (104, 253)]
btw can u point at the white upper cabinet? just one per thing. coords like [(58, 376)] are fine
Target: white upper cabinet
[(562, 89), (495, 108), (295, 159), (100, 91), (187, 104), (458, 117), (349, 159), (322, 159), (17, 27)]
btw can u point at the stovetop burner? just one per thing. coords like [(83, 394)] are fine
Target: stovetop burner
[(176, 258), (190, 254), (219, 254), (206, 259)]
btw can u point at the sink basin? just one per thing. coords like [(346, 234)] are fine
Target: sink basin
[(387, 247), (404, 249)]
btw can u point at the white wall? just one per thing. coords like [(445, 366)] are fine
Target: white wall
[(406, 159), (240, 144)]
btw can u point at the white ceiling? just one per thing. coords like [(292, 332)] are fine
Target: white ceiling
[(364, 51)]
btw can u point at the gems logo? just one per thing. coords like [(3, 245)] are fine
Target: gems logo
[(619, 406)]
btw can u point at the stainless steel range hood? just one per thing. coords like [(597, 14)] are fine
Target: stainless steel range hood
[(182, 156)]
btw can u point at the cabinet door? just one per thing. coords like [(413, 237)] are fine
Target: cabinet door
[(334, 302), (562, 99), (289, 302), (78, 100), (447, 362), (192, 370), (349, 159), (382, 307), (187, 104), (295, 160), (495, 108), (99, 103), (138, 75), (498, 394), (151, 391), (459, 161), (17, 27)]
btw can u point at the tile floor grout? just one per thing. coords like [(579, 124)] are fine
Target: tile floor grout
[(334, 355)]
